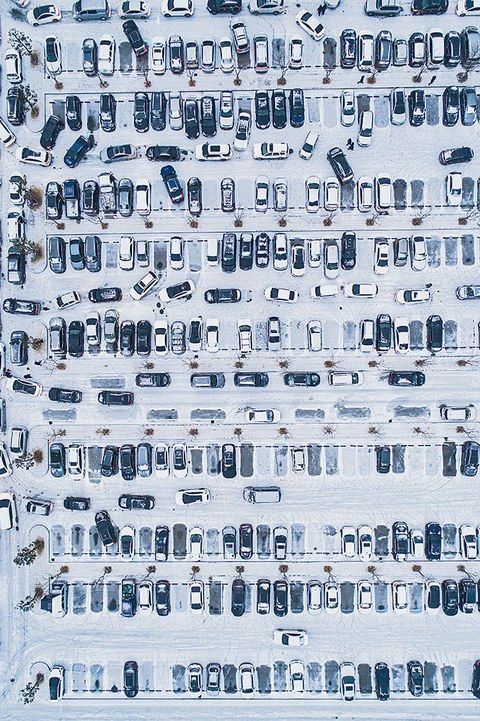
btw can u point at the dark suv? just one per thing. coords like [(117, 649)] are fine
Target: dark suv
[(73, 112), (108, 112), (470, 458), (297, 108), (238, 597), (400, 540), (349, 250), (50, 132), (433, 541), (450, 597), (105, 528), (434, 334)]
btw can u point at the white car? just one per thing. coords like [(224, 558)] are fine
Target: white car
[(142, 196), (365, 129), (244, 336), (7, 511), (331, 194), (290, 637), (196, 543), (211, 335), (280, 195), (53, 55), (175, 111), (227, 62), (185, 289), (453, 188), (242, 131), (21, 385), (315, 253), (247, 681), (306, 151), (263, 416), (458, 413), (162, 464), (380, 264), (106, 55), (270, 151), (213, 151), (364, 596), (262, 185), (312, 194), (56, 683), (280, 251), (347, 680), (360, 290), (144, 285), (314, 333), (383, 192), (418, 253), (160, 337), (365, 542), (196, 495), (331, 259), (348, 541), (345, 378), (75, 457), (332, 597), (126, 252), (5, 465), (44, 14), (468, 542), (295, 60), (177, 8), (365, 195), (367, 335), (18, 439), (13, 66), (324, 291), (310, 24), (468, 7), (297, 266), (399, 596), (16, 189), (347, 108), (145, 597), (297, 676), (240, 36), (281, 294), (126, 543), (417, 543), (93, 328), (196, 596), (412, 296), (401, 334), (298, 459), (314, 597), (179, 460), (159, 52), (133, 9), (177, 252)]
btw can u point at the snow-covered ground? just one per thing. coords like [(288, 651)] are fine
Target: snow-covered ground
[(338, 428)]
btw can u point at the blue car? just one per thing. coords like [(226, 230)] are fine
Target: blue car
[(172, 183)]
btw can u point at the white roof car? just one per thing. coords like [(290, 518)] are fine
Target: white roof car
[(144, 285), (7, 511), (160, 337), (412, 296), (145, 597), (297, 676), (263, 416), (270, 151), (67, 299), (133, 9), (188, 496), (208, 57), (18, 439), (177, 252), (106, 55), (312, 194), (365, 195), (213, 151), (366, 51), (211, 335), (296, 54), (261, 193), (331, 194), (380, 264), (13, 66), (331, 259), (159, 64), (281, 294), (227, 63), (418, 252), (314, 253), (196, 543), (290, 637), (314, 331), (93, 328), (196, 596), (21, 385), (245, 336), (345, 378), (400, 596), (458, 413), (258, 7), (225, 116), (367, 335), (142, 196), (314, 597), (360, 290), (383, 191), (126, 542), (75, 458), (177, 8), (348, 541), (365, 129), (240, 37), (401, 334), (280, 251), (5, 465), (417, 543), (242, 131), (347, 108), (332, 597), (177, 291), (126, 252), (29, 155), (436, 48), (364, 596), (365, 542), (347, 680), (306, 151), (310, 24), (453, 188), (468, 7), (324, 291), (468, 542), (44, 14), (247, 681), (161, 460)]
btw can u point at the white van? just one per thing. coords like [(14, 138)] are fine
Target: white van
[(212, 251), (268, 494), (6, 135), (7, 511)]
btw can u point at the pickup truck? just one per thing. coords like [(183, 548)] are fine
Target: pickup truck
[(108, 193)]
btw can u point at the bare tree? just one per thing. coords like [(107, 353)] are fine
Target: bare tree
[(27, 694)]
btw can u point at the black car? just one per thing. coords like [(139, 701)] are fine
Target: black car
[(108, 112), (161, 543), (262, 250), (222, 295), (127, 338), (406, 378), (251, 380), (451, 106), (136, 502), (116, 398), (162, 595), (127, 462), (399, 540), (172, 184), (90, 57), (229, 253), (104, 295), (263, 596), (476, 679), (194, 196), (416, 107), (76, 339), (232, 7), (382, 681), (15, 105), (76, 503), (77, 253), (470, 458), (340, 165), (130, 679), (434, 333), (415, 678), (383, 334), (245, 259), (417, 50), (429, 7), (16, 266), (229, 464), (50, 132), (297, 378), (192, 123), (349, 250), (163, 152), (280, 598), (134, 38), (384, 459), (125, 197), (238, 597), (348, 48), (158, 111), (468, 106), (129, 597), (18, 348), (57, 460), (64, 395), (452, 49), (450, 597), (467, 590), (141, 113), (279, 109), (297, 108), (383, 49), (152, 380), (144, 337), (245, 534), (53, 201), (78, 150), (91, 195), (208, 116), (176, 54), (21, 307), (456, 155), (73, 112), (433, 541), (105, 528), (262, 109), (93, 253), (109, 465)]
